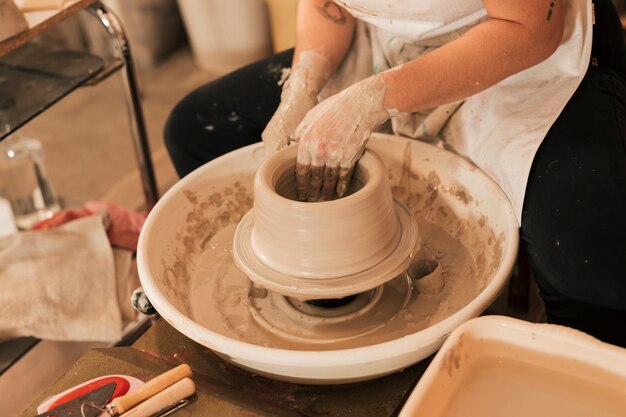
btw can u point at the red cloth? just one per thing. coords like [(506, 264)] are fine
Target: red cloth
[(123, 225)]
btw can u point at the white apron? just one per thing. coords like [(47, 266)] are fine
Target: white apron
[(499, 129)]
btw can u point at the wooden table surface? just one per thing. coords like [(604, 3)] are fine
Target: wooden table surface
[(224, 390)]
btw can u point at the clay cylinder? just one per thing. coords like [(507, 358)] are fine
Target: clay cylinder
[(323, 239)]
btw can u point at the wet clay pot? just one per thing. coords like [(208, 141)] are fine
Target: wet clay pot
[(325, 249), (323, 239)]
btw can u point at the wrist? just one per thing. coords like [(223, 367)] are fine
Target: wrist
[(373, 90), (391, 110), (310, 72)]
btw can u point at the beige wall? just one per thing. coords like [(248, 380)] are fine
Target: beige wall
[(283, 23)]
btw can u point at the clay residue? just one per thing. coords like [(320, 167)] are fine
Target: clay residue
[(452, 358), (423, 194), (459, 193), (206, 214), (223, 300)]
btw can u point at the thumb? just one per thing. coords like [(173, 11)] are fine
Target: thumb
[(273, 138)]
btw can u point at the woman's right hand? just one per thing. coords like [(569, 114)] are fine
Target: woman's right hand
[(299, 95)]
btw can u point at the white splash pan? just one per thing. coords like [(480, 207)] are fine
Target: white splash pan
[(455, 188), (495, 365)]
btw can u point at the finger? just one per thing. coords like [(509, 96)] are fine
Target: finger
[(345, 177), (303, 173), (271, 136), (330, 182), (302, 181), (315, 185)]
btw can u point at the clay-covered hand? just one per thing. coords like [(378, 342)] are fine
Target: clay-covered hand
[(332, 138), (299, 95)]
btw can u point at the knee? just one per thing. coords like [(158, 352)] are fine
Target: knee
[(176, 126), (175, 138), (185, 133), (170, 137)]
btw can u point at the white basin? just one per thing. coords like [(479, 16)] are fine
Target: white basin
[(435, 184)]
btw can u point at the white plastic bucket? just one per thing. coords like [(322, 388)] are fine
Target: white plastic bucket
[(226, 34)]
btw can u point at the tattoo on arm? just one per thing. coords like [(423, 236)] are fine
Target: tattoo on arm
[(552, 3), (332, 11)]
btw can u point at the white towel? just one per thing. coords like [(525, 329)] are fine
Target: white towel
[(63, 284)]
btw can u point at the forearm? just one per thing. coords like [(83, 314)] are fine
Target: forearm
[(325, 27), (485, 55), (324, 34)]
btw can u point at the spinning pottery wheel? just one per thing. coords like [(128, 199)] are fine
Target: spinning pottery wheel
[(453, 246)]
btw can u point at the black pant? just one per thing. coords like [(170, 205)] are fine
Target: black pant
[(226, 114), (574, 217)]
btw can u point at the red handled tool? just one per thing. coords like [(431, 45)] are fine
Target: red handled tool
[(157, 397), (90, 403)]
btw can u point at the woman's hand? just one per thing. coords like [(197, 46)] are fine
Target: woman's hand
[(299, 95), (332, 138), (323, 35)]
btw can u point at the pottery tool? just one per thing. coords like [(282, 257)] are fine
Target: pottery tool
[(123, 384), (95, 399), (121, 405), (162, 394), (166, 402)]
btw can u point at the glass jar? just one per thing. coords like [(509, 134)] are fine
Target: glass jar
[(25, 182)]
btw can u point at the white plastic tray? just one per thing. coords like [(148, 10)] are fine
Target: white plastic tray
[(498, 366)]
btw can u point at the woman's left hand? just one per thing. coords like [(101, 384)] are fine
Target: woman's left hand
[(332, 138)]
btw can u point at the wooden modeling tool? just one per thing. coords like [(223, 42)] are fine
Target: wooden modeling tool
[(152, 388), (165, 402)]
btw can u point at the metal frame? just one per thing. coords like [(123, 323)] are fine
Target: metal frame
[(133, 103)]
